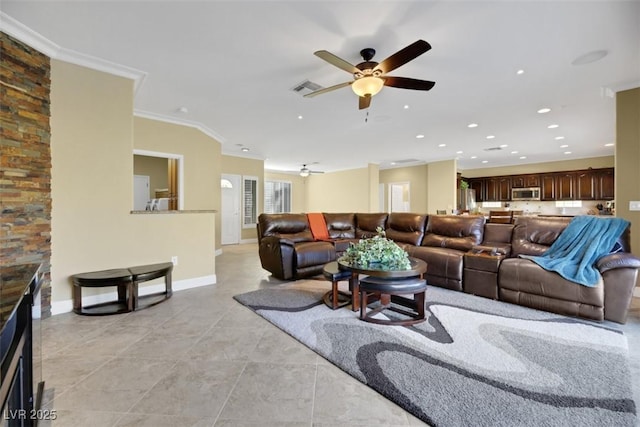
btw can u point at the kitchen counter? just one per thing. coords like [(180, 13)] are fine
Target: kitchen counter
[(14, 285)]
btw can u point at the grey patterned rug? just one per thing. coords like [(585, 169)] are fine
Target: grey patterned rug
[(474, 362)]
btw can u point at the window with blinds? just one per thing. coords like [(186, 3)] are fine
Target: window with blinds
[(277, 196), (249, 201)]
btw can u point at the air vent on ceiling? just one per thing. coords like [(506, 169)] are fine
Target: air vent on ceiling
[(493, 149), (405, 161), (306, 87)]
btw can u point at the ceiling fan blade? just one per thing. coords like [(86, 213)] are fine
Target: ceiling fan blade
[(316, 171), (403, 56), (336, 61), (364, 102), (328, 89), (407, 83)]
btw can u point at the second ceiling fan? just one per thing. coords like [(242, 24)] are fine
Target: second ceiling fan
[(370, 76)]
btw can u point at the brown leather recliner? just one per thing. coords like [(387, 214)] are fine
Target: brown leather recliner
[(287, 248), (447, 238), (523, 282)]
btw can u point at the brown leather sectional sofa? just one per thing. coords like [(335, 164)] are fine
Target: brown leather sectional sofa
[(289, 251)]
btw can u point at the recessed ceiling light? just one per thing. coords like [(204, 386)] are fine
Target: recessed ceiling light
[(442, 145), (567, 152), (459, 152), (520, 72), (523, 157), (558, 138), (299, 117), (490, 136), (472, 125), (485, 161), (420, 136), (611, 144), (474, 157), (589, 57), (504, 146), (514, 152), (245, 149), (406, 107), (552, 126), (564, 145), (544, 110), (392, 163)]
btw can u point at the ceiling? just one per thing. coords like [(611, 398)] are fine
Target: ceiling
[(232, 66)]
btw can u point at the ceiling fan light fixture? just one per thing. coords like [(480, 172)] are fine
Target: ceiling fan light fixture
[(367, 85), (304, 172)]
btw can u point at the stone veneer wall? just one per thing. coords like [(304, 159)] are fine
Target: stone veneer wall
[(25, 163)]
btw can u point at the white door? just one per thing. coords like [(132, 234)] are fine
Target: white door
[(399, 197), (141, 193), (230, 220)]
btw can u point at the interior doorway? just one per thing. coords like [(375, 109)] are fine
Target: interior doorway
[(230, 219), (399, 200)]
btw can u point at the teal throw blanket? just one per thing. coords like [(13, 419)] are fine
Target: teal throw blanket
[(574, 253)]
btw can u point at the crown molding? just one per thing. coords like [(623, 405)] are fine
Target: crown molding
[(173, 120), (19, 31), (32, 38)]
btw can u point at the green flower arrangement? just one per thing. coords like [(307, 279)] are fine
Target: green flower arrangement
[(377, 252)]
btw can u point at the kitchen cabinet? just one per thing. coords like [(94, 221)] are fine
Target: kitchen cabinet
[(605, 184), (497, 189), (547, 187), (477, 184), (585, 185), (565, 186), (525, 181)]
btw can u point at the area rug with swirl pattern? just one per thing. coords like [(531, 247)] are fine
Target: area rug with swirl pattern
[(474, 362)]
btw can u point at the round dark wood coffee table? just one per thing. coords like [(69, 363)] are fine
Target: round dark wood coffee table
[(398, 282)]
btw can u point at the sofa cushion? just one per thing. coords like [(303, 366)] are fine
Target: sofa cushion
[(498, 236), (534, 235), (311, 254), (403, 227), (341, 225), (523, 282), (460, 232), (293, 227), (444, 266), (367, 223)]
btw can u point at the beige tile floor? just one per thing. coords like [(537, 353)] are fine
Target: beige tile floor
[(200, 359)]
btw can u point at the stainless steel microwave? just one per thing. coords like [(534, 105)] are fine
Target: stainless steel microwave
[(532, 193)]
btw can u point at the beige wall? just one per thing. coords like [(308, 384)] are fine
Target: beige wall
[(344, 191), (567, 165), (244, 167), (628, 160), (202, 158), (92, 189), (416, 176), (298, 188), (441, 186), (156, 168)]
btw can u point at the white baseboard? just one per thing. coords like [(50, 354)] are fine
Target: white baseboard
[(59, 307), (636, 292)]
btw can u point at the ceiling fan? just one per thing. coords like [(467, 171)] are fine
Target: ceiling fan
[(370, 76), (305, 171)]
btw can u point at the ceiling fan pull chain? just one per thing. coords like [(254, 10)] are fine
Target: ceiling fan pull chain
[(366, 118)]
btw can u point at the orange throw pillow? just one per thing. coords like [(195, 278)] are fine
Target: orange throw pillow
[(318, 226)]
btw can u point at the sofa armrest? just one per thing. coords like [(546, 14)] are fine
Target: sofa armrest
[(276, 256), (617, 260)]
